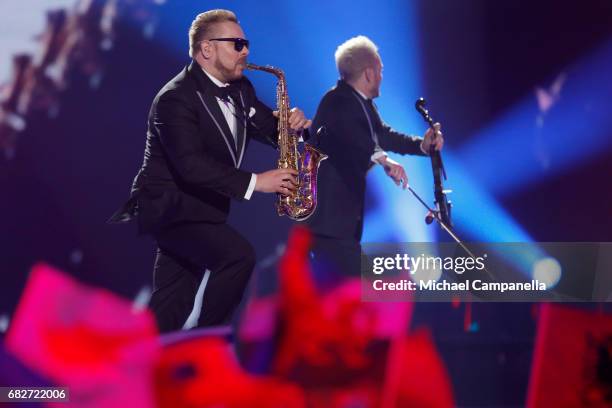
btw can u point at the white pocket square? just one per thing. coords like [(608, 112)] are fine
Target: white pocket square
[(252, 112)]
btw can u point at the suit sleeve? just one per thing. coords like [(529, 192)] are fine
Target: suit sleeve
[(176, 122), (392, 140)]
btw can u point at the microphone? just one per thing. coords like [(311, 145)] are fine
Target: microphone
[(420, 106)]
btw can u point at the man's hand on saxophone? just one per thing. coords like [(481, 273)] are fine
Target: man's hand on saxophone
[(281, 181), (297, 119)]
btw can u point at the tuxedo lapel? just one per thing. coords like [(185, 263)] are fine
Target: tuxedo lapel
[(241, 112), (208, 99), (367, 111)]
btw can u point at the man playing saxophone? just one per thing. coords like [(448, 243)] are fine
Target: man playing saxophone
[(199, 126)]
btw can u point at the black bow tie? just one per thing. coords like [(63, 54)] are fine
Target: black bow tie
[(231, 90)]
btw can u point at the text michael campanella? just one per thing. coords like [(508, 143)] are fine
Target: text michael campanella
[(459, 265)]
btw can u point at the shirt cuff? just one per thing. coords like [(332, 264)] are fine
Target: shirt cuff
[(425, 152), (249, 192), (377, 155)]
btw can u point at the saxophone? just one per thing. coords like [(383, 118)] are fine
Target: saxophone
[(301, 203)]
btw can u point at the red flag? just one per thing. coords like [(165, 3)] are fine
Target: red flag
[(572, 361), (84, 338), (314, 333), (422, 380), (203, 372), (335, 345)]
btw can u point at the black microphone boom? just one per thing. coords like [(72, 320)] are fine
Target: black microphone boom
[(437, 166)]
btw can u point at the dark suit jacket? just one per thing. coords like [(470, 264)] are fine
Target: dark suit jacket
[(350, 121), (191, 162)]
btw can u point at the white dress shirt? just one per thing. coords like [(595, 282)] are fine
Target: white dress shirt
[(229, 112)]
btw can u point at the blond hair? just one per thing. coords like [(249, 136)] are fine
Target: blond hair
[(355, 55), (202, 26)]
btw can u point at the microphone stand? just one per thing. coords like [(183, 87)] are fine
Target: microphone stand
[(442, 215), (436, 216)]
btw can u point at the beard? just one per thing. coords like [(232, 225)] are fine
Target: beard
[(375, 91), (231, 73)]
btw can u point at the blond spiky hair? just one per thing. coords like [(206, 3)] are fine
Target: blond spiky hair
[(202, 26), (355, 55)]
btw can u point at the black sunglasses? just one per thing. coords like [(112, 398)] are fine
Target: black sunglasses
[(239, 43)]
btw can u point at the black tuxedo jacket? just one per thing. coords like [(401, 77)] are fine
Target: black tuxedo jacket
[(191, 166), (351, 123)]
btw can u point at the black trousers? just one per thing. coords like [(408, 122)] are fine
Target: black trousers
[(335, 259), (184, 252)]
